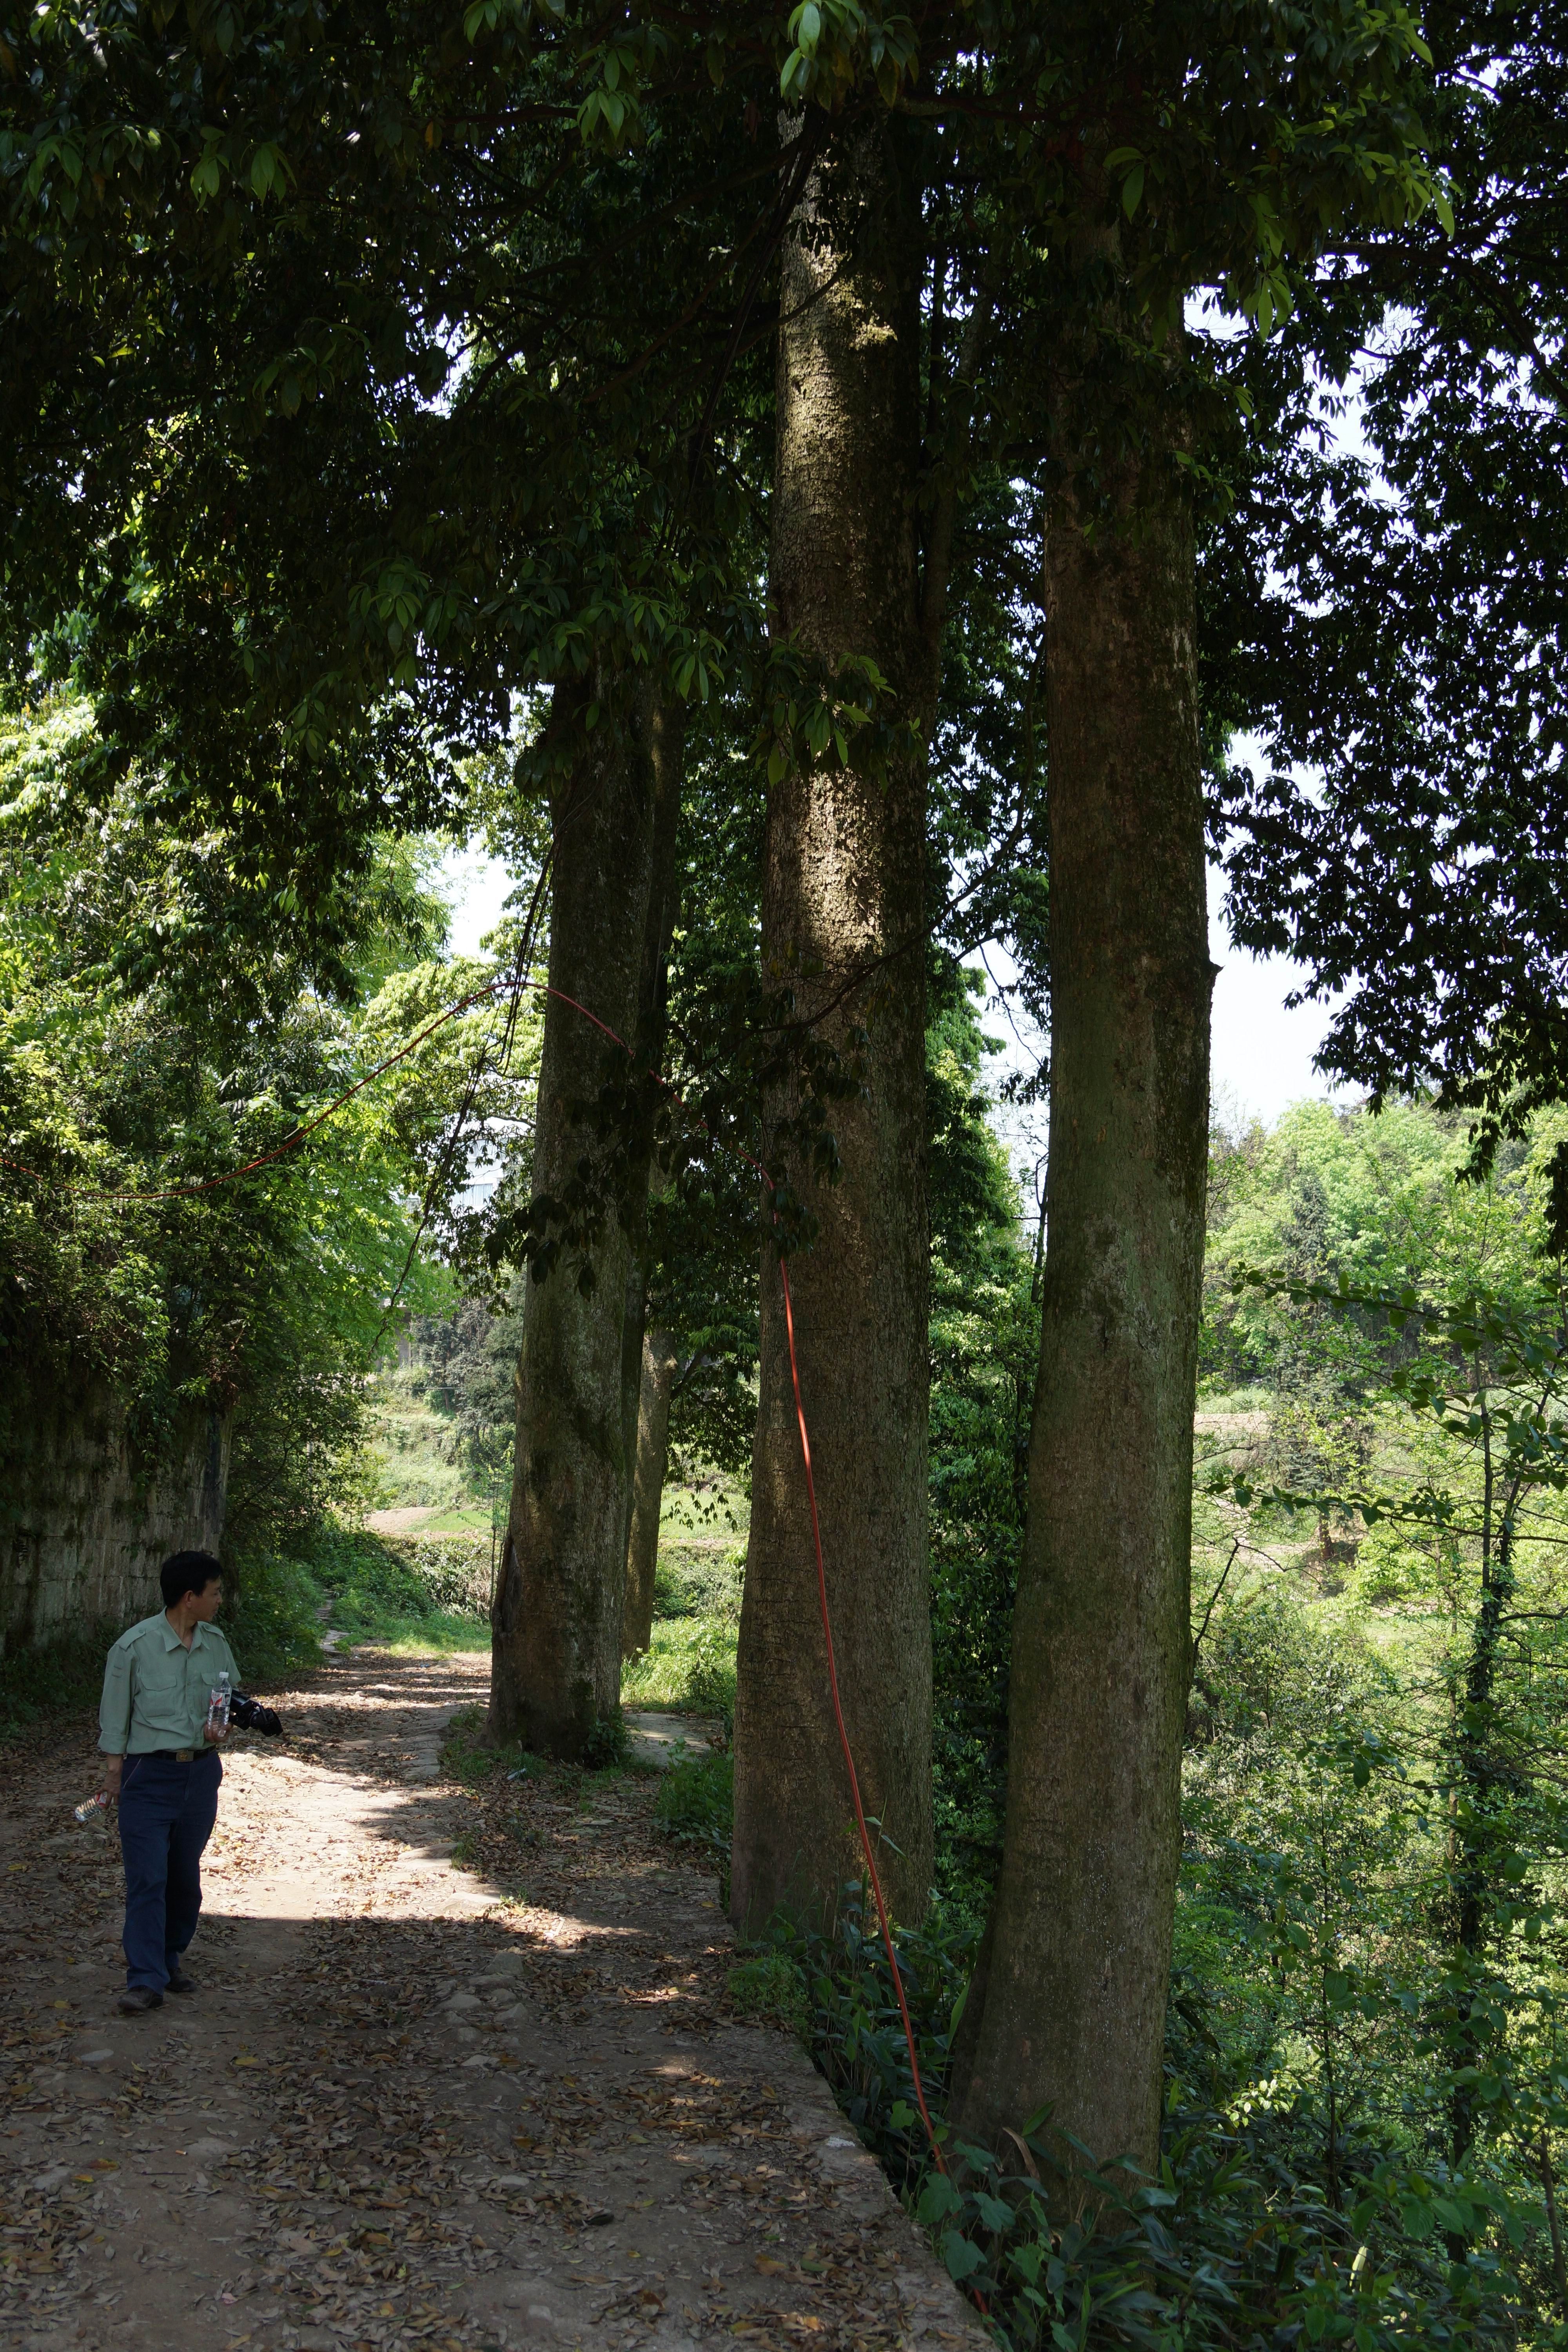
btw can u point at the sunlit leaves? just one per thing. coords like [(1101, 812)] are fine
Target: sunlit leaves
[(835, 44)]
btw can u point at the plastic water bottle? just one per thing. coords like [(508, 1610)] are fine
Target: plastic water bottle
[(217, 1704), (95, 1804)]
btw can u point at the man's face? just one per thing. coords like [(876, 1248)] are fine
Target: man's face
[(205, 1604)]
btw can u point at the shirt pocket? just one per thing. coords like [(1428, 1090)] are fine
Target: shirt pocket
[(160, 1680)]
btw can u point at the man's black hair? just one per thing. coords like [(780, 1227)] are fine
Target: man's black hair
[(187, 1571)]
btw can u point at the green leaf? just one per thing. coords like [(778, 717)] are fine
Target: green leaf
[(939, 2198), (962, 2256), (1132, 189)]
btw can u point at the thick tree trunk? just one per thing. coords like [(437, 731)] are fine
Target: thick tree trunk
[(843, 889), (658, 1360), (1069, 2009), (556, 1623)]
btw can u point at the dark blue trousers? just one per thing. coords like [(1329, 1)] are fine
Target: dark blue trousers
[(166, 1816)]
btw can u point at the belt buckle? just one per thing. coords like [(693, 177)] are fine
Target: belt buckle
[(185, 1755)]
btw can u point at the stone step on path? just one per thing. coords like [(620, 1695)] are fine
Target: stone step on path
[(460, 2074), (661, 1737)]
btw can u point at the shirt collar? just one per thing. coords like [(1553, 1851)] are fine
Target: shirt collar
[(172, 1640)]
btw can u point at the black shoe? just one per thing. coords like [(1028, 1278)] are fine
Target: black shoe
[(179, 1981), (137, 1998)]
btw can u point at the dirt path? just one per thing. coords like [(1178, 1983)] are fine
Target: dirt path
[(409, 2105)]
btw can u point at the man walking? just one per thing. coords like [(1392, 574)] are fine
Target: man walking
[(164, 1768)]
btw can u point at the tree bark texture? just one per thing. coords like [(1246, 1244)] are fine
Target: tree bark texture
[(844, 889), (658, 1362), (556, 1621), (1069, 2009)]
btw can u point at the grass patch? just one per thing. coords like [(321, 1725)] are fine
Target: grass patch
[(439, 1635), (689, 1662), (415, 1445), (467, 1519)]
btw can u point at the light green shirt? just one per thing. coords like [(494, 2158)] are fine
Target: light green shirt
[(156, 1692)]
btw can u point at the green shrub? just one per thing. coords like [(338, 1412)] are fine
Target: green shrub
[(372, 1588), (429, 1594), (854, 2028), (271, 1614), (696, 1805), (771, 1988), (1223, 2251), (692, 1583), (608, 1745), (1388, 1566), (452, 1571)]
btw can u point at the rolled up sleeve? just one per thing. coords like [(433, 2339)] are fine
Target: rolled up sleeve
[(114, 1710)]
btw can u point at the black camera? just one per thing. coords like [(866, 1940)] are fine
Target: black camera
[(251, 1716)]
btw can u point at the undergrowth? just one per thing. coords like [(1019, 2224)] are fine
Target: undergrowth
[(60, 1677), (271, 1615), (470, 1756), (689, 1662), (1233, 2247), (414, 1594), (696, 1806)]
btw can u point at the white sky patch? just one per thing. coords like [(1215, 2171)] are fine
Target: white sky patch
[(475, 885), (1262, 1053)]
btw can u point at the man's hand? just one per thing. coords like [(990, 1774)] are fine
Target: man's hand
[(216, 1734), (112, 1768)]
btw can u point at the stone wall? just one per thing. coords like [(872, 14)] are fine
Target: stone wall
[(83, 1527)]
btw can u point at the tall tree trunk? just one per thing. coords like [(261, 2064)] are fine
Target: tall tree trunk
[(844, 888), (1482, 1777), (658, 1360), (1068, 2008), (556, 1621)]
